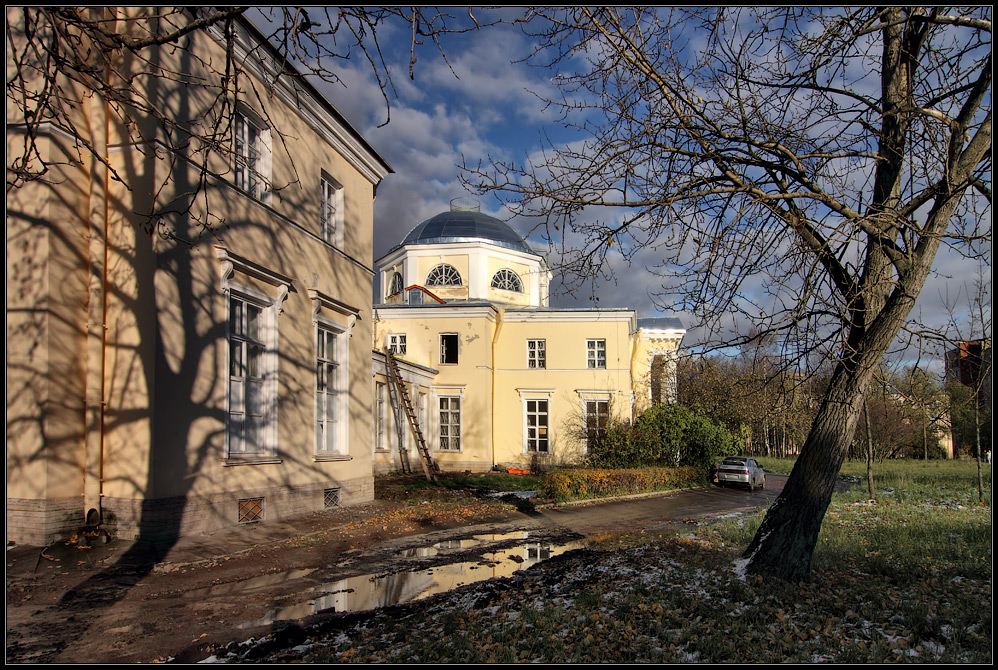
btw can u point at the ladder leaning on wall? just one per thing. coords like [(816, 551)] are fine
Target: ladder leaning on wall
[(401, 398)]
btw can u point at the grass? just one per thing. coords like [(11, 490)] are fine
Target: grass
[(905, 578)]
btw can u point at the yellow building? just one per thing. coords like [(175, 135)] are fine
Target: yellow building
[(163, 379), (499, 378)]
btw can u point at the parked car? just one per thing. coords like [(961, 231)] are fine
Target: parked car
[(741, 470)]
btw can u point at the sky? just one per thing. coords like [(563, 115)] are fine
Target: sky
[(483, 105)]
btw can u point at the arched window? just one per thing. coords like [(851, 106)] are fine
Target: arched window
[(507, 280), (443, 275), (395, 286)]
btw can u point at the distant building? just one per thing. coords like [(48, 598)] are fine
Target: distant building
[(176, 381), (496, 376), (970, 363)]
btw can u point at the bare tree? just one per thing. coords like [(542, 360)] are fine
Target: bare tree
[(969, 360), (799, 168), (60, 58)]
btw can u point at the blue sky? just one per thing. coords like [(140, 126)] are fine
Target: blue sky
[(486, 106)]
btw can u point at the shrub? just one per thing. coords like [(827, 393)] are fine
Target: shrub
[(664, 436), (586, 483)]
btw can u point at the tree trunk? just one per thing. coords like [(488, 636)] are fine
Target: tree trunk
[(784, 545), (977, 425), (869, 452)]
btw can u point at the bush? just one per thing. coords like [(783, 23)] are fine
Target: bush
[(587, 483), (664, 436)]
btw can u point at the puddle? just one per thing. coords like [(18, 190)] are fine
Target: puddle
[(366, 592)]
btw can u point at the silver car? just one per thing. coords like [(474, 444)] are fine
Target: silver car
[(741, 470)]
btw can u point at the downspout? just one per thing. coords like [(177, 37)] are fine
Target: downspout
[(96, 348), (635, 338), (492, 405)]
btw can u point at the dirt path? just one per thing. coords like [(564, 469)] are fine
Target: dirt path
[(131, 602)]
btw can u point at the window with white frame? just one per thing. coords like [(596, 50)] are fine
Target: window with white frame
[(381, 417), (597, 418), (330, 210), (330, 391), (450, 423), (251, 148), (596, 354), (507, 280), (536, 354), (252, 412), (395, 285), (396, 343), (443, 275), (536, 425)]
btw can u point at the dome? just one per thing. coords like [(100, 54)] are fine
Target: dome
[(459, 225)]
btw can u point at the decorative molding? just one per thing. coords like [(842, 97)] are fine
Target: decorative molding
[(263, 460), (230, 262), (320, 300), (328, 458)]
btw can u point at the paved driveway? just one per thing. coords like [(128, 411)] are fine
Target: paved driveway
[(659, 511)]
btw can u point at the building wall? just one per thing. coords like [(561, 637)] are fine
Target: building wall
[(161, 466), (493, 380), (565, 382)]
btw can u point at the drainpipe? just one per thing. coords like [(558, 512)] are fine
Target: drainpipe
[(96, 346), (635, 338), (492, 406)]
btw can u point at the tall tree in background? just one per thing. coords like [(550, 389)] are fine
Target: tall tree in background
[(815, 159)]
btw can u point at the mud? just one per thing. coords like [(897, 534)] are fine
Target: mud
[(133, 602)]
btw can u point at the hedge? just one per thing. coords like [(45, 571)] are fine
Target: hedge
[(588, 483)]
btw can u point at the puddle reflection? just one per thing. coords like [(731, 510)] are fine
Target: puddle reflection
[(366, 592)]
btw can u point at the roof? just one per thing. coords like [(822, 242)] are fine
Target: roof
[(661, 323), (466, 226)]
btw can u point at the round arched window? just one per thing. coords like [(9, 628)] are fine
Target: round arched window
[(395, 287), (507, 280), (443, 275)]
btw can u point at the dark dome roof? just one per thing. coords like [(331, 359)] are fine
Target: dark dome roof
[(466, 226)]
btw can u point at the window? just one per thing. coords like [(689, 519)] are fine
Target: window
[(536, 420), (443, 275), (397, 343), (330, 210), (536, 354), (597, 416), (507, 280), (596, 353), (251, 408), (380, 417), (251, 146), (329, 392), (450, 423), (395, 284), (448, 349)]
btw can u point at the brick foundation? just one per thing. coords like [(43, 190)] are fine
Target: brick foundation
[(40, 522)]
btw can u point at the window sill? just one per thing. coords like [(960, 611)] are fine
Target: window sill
[(251, 460), (324, 458)]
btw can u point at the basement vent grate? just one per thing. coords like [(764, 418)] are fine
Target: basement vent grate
[(331, 498), (250, 510)]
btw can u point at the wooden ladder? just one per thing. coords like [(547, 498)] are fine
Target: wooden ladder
[(393, 397), (395, 378)]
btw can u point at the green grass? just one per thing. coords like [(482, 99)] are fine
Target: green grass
[(904, 578), (954, 480)]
